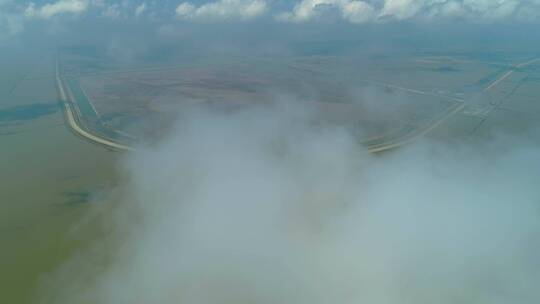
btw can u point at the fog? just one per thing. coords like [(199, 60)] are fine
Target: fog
[(263, 205)]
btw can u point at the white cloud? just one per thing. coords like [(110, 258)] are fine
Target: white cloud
[(222, 9), (112, 11), (119, 9), (357, 11), (140, 9), (479, 10), (10, 23), (402, 9), (352, 10), (360, 11), (185, 9), (52, 9)]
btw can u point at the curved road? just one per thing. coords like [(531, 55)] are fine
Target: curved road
[(72, 120), (70, 114)]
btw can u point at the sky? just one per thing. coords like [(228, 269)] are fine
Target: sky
[(354, 11), (134, 30), (18, 16), (136, 27)]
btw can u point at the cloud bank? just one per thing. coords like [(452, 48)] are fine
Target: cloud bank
[(353, 11), (139, 10), (361, 11), (16, 16), (11, 23), (222, 10), (59, 7), (265, 205)]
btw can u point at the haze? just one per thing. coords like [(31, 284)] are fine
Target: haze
[(269, 151)]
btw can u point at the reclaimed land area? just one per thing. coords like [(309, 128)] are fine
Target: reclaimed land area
[(391, 102)]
